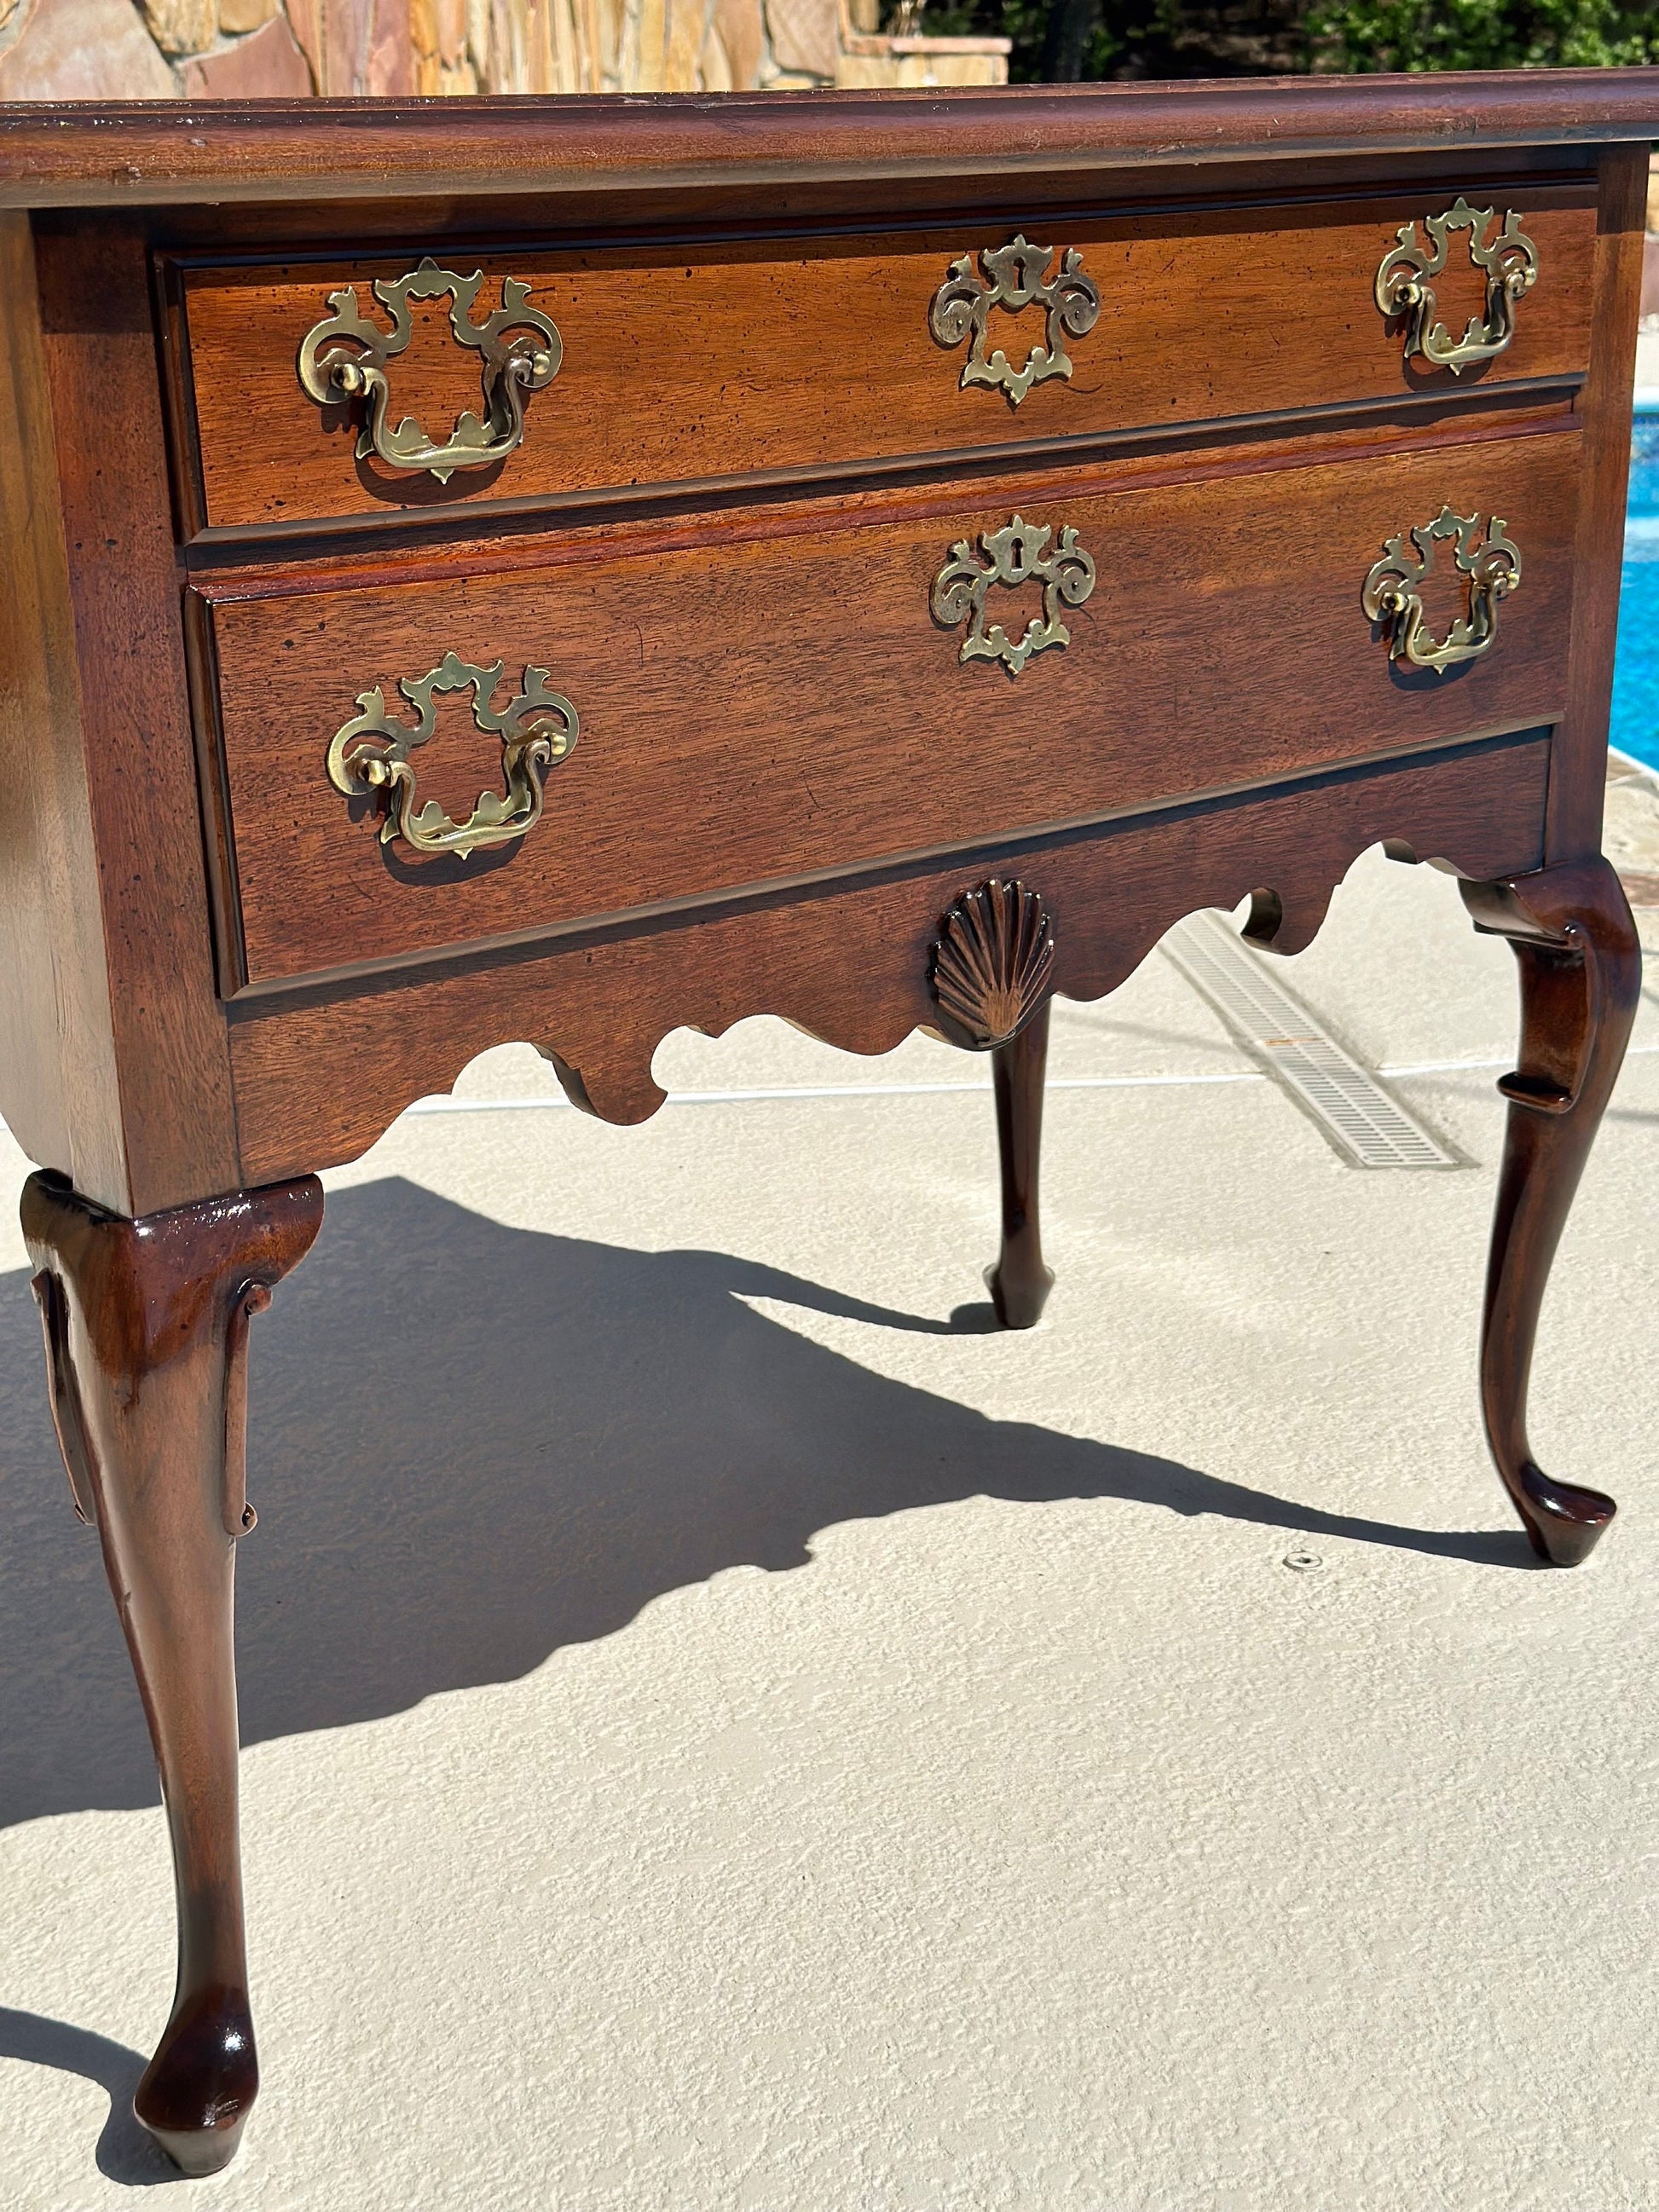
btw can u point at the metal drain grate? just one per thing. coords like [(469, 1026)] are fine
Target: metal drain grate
[(1366, 1124)]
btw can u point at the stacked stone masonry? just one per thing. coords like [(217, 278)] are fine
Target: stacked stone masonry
[(283, 48)]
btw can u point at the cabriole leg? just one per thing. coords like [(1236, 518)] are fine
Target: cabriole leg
[(1581, 973), (991, 970), (1019, 1283), (146, 1328)]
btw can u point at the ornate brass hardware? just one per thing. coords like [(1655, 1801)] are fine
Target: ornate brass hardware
[(991, 964), (538, 729), (1014, 276), (513, 367), (1391, 595), (1511, 263), (1012, 555)]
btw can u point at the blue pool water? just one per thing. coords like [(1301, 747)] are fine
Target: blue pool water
[(1635, 726)]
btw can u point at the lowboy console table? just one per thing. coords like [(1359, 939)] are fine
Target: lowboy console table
[(559, 569)]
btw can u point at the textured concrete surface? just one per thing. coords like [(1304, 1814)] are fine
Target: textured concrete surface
[(728, 1734), (1630, 828)]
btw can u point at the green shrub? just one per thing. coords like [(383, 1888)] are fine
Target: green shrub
[(1480, 34), (1071, 39)]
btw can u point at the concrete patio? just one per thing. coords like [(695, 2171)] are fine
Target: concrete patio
[(726, 1733)]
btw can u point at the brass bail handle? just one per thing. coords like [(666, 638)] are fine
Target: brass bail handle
[(369, 755), (344, 358), (1392, 597), (1510, 263)]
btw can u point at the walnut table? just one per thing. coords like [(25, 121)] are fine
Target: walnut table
[(562, 569)]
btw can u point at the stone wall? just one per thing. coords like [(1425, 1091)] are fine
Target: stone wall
[(261, 49)]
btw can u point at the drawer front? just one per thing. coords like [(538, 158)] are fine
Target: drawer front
[(788, 697), (804, 356)]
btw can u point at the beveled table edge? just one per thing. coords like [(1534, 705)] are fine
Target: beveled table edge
[(142, 154)]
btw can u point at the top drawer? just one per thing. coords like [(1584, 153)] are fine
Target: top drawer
[(793, 355)]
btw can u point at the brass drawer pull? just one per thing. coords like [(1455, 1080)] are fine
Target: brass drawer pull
[(1014, 276), (1392, 598), (1402, 287), (513, 367), (538, 729), (1013, 555)]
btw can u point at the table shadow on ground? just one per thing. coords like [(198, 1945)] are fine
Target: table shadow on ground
[(124, 2152), (471, 1445)]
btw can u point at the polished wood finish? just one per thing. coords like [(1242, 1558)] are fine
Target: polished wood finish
[(169, 1046), (719, 539), (121, 1074), (318, 1073), (990, 970), (55, 1029), (1582, 739), (1581, 976), (712, 364), (172, 154), (991, 964), (146, 1329), (1018, 1281), (815, 655)]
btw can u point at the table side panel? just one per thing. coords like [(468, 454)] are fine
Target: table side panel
[(1579, 776), (58, 1078), (764, 708), (169, 1044), (723, 358)]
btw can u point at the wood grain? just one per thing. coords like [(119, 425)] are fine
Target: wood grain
[(176, 1137), (491, 535), (57, 1076), (792, 355), (786, 776), (752, 711), (1582, 747), (1580, 979), (827, 198), (1019, 1279), (173, 154), (146, 1328), (319, 1081)]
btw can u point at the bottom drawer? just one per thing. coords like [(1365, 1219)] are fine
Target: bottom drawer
[(787, 696), (319, 1075)]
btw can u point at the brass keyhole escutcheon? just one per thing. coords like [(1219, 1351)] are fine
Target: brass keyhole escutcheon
[(1014, 276), (1017, 554)]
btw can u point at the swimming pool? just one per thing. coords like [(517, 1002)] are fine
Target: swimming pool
[(1635, 726)]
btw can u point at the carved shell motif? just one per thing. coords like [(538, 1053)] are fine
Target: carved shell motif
[(992, 964)]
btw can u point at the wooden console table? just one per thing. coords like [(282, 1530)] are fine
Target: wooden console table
[(561, 569)]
